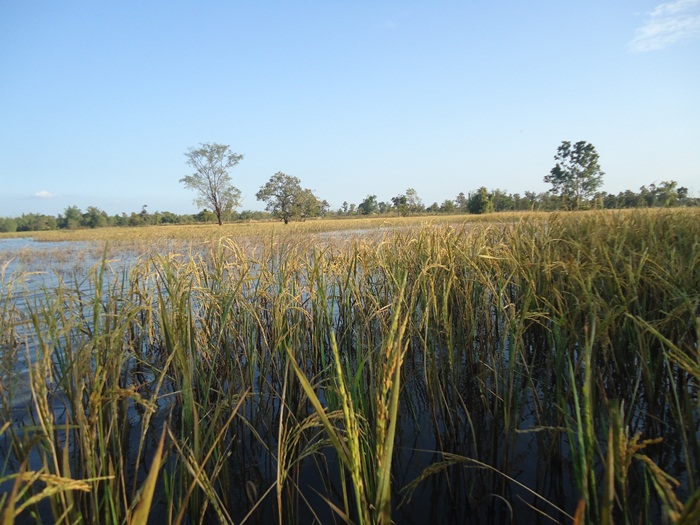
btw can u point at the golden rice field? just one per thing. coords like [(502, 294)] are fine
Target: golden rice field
[(516, 368)]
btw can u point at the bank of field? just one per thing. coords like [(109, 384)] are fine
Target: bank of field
[(531, 368)]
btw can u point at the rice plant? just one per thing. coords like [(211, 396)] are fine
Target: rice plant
[(527, 367)]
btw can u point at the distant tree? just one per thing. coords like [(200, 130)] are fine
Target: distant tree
[(156, 217), (461, 202), (205, 216), (414, 203), (308, 205), (480, 201), (253, 215), (577, 174), (609, 201), (501, 200), (531, 198), (120, 220), (211, 180), (667, 194), (400, 204), (94, 218), (8, 225), (647, 196), (286, 199), (71, 219), (547, 201), (134, 220), (448, 206), (33, 222), (368, 206), (167, 217)]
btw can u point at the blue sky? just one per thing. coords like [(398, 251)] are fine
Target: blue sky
[(99, 101)]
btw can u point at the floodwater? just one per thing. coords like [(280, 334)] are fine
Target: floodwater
[(467, 493), (29, 269)]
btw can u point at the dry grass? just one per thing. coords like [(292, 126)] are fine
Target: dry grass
[(260, 229)]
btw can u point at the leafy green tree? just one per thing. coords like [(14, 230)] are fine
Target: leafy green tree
[(501, 200), (286, 199), (71, 219), (647, 196), (461, 202), (94, 218), (205, 216), (119, 220), (8, 225), (308, 205), (448, 206), (401, 204), (36, 222), (369, 206), (666, 193), (253, 215), (577, 174), (408, 202), (211, 179), (531, 198), (480, 201), (168, 217)]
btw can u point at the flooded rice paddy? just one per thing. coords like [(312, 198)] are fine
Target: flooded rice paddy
[(523, 373)]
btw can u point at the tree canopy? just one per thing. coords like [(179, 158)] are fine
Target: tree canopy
[(480, 201), (369, 206), (577, 174), (286, 199), (211, 180)]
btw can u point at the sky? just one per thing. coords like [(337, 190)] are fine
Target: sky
[(100, 101)]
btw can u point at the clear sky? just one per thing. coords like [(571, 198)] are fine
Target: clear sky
[(99, 101)]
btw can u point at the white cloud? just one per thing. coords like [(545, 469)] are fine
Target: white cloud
[(668, 24), (43, 194)]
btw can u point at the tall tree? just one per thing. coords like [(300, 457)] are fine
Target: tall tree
[(211, 180), (461, 202), (577, 174), (286, 199), (414, 203)]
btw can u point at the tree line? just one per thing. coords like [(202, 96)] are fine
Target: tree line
[(575, 179)]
